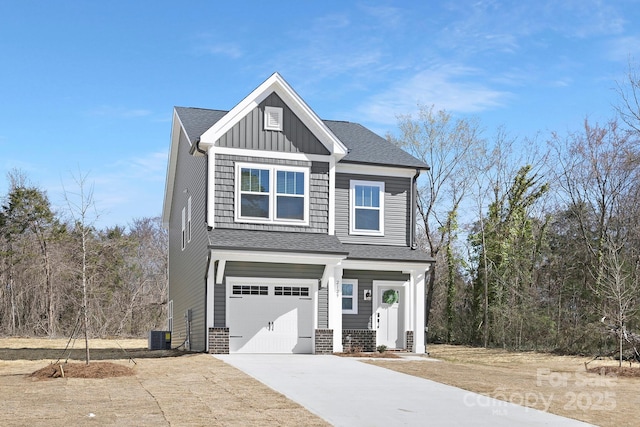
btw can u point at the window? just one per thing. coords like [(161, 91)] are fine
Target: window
[(296, 291), (349, 296), (184, 224), (189, 219), (273, 118), (272, 194), (367, 208), (170, 316), (250, 290)]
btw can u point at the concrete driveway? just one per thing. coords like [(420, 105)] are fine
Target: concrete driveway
[(346, 392)]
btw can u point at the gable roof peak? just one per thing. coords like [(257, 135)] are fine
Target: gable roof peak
[(276, 83)]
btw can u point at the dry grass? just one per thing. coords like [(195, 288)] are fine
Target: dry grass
[(558, 384), (191, 389)]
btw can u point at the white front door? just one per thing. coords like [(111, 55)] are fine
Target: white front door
[(389, 316), (267, 318)]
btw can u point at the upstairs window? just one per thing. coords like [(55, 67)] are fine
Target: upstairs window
[(272, 194), (367, 208)]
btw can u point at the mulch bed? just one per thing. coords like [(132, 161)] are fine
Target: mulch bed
[(82, 370)]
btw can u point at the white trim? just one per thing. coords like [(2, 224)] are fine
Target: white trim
[(275, 257), (170, 316), (400, 266), (176, 127), (220, 272), (272, 193), (354, 296), (332, 197), (211, 188), (375, 170), (209, 315), (352, 208), (260, 154), (276, 84)]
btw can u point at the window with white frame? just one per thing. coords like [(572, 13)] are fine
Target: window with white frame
[(184, 228), (170, 316), (272, 194), (189, 219), (349, 296), (366, 208)]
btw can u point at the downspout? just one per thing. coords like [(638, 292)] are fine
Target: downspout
[(414, 207)]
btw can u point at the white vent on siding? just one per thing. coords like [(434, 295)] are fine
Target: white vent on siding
[(273, 118)]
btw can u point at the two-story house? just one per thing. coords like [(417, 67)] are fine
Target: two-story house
[(290, 234)]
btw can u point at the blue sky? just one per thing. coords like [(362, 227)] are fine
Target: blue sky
[(90, 86)]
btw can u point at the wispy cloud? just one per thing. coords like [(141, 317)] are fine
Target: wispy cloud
[(230, 50), (623, 49), (447, 87), (119, 112)]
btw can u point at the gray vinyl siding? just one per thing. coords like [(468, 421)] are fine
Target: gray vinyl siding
[(187, 268), (365, 278), (249, 132), (323, 308), (225, 194), (263, 270), (397, 200)]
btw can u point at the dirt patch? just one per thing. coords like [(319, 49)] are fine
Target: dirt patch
[(184, 389), (82, 370), (557, 384)]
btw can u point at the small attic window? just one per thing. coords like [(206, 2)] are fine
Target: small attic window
[(273, 118)]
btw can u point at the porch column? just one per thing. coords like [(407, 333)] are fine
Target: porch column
[(335, 306), (417, 277)]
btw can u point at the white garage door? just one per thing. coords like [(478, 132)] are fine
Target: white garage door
[(269, 317)]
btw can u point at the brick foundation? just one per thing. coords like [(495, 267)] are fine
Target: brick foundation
[(362, 339), (324, 341), (219, 340)]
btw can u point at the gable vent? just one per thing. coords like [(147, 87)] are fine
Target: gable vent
[(273, 118)]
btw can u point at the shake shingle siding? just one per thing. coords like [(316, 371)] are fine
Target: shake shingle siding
[(249, 132), (397, 202), (225, 194), (187, 267)]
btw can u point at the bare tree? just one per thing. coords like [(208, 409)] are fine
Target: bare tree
[(628, 107), (81, 207)]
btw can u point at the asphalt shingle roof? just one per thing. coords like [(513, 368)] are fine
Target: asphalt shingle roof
[(274, 241), (364, 146), (386, 253), (312, 243)]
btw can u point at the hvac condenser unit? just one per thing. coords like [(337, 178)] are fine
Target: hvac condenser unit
[(160, 340)]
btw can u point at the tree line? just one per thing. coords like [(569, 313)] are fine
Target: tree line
[(537, 242), (57, 267)]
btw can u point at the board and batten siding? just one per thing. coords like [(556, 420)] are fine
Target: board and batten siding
[(225, 194), (249, 132), (363, 319), (397, 203), (259, 270), (187, 268)]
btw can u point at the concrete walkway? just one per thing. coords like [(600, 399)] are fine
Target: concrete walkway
[(346, 392)]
